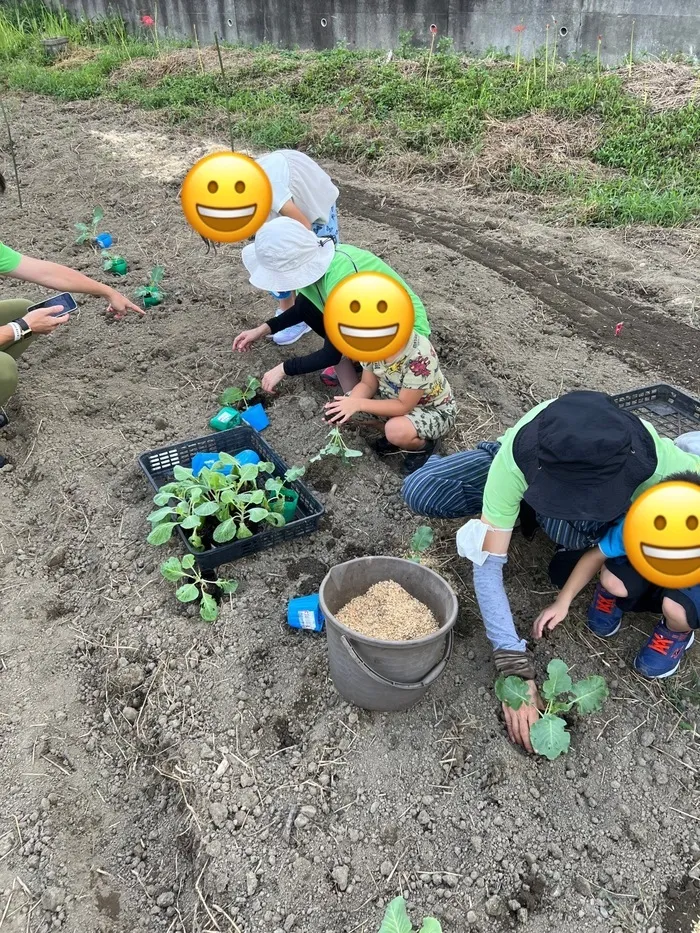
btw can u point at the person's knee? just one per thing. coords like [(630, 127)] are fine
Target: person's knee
[(399, 431), (675, 614), (612, 584), (415, 487), (8, 377)]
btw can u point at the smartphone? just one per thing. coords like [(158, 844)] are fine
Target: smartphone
[(65, 300)]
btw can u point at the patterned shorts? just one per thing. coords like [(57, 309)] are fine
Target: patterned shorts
[(432, 423), (330, 228)]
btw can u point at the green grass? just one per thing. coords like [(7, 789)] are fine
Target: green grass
[(356, 106)]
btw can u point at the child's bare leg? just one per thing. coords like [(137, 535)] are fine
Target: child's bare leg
[(612, 584), (675, 615), (401, 433)]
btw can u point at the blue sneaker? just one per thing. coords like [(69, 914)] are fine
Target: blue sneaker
[(604, 615), (285, 337), (663, 653)]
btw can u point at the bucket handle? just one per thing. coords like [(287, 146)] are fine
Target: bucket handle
[(431, 676)]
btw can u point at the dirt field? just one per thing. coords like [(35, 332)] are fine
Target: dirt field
[(244, 795)]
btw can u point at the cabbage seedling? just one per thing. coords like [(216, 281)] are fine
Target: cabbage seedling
[(420, 542), (233, 397), (396, 920), (114, 264), (152, 293), (88, 232), (275, 485), (548, 735), (335, 446), (193, 587)]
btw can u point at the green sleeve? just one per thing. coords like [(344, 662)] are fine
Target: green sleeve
[(9, 259), (504, 490)]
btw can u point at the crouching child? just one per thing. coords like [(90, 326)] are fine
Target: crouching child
[(410, 394)]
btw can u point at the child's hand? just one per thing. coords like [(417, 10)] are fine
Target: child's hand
[(341, 408), (549, 618)]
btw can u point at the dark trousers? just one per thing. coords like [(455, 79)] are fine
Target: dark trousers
[(306, 311)]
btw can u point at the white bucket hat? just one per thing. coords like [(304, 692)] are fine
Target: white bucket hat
[(286, 256), (689, 442)]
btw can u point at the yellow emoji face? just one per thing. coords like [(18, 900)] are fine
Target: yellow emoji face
[(368, 317), (661, 535), (226, 197)]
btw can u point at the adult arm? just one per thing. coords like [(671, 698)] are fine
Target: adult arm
[(582, 574), (41, 321), (62, 279), (289, 209)]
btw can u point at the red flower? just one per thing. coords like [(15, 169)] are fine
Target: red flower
[(433, 28), (600, 38), (520, 28), (147, 21)]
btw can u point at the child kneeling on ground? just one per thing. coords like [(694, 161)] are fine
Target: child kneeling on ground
[(622, 588), (414, 397)]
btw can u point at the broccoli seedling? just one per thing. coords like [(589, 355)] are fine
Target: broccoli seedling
[(233, 397), (420, 542), (548, 735), (115, 264), (193, 585), (152, 293), (88, 232), (335, 446), (396, 920)]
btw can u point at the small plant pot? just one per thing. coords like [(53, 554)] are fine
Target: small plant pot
[(256, 417), (304, 612), (203, 461), (104, 240), (150, 301), (247, 456), (119, 267), (225, 418), (54, 47), (291, 500)]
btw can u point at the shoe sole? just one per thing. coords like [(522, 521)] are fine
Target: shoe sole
[(609, 634), (671, 672)]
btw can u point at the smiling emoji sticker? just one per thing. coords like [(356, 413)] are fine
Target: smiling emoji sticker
[(226, 197), (661, 535), (368, 317)]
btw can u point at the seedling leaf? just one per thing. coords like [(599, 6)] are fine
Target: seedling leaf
[(228, 586), (224, 532), (159, 515), (172, 570), (208, 609), (182, 473), (589, 694), (207, 508), (512, 691), (161, 533), (187, 593), (352, 453), (244, 532), (396, 919), (190, 521), (274, 518), (558, 682), (422, 539), (430, 925), (293, 473), (188, 561), (549, 736)]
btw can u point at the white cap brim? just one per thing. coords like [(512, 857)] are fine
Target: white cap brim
[(271, 280)]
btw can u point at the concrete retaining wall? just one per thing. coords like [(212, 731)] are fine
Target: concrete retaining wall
[(655, 26)]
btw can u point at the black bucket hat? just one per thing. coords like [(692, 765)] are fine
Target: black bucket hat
[(583, 458)]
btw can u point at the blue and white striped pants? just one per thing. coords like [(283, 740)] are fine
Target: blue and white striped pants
[(453, 487)]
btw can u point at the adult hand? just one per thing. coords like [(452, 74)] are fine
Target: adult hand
[(518, 722), (42, 322), (341, 408), (549, 618), (247, 338), (272, 377), (119, 305)]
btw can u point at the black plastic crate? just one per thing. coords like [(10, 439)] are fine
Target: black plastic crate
[(671, 411), (158, 466)]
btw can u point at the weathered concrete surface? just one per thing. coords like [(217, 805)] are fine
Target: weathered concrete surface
[(654, 26)]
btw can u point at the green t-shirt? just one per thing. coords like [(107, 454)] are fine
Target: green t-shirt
[(506, 485), (351, 259), (9, 259)]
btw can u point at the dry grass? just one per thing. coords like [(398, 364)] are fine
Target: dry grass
[(663, 85), (76, 56)]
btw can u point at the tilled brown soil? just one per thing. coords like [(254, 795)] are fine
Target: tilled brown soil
[(163, 774)]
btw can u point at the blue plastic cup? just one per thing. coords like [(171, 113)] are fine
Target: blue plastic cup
[(104, 240), (207, 461), (255, 417), (304, 612), (247, 456)]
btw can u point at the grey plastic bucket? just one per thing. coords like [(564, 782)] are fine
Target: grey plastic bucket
[(386, 675)]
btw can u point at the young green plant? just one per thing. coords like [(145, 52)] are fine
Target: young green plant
[(88, 232), (193, 586), (231, 505), (420, 542), (548, 735), (233, 397), (152, 293), (396, 920), (276, 485), (117, 265), (335, 446)]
